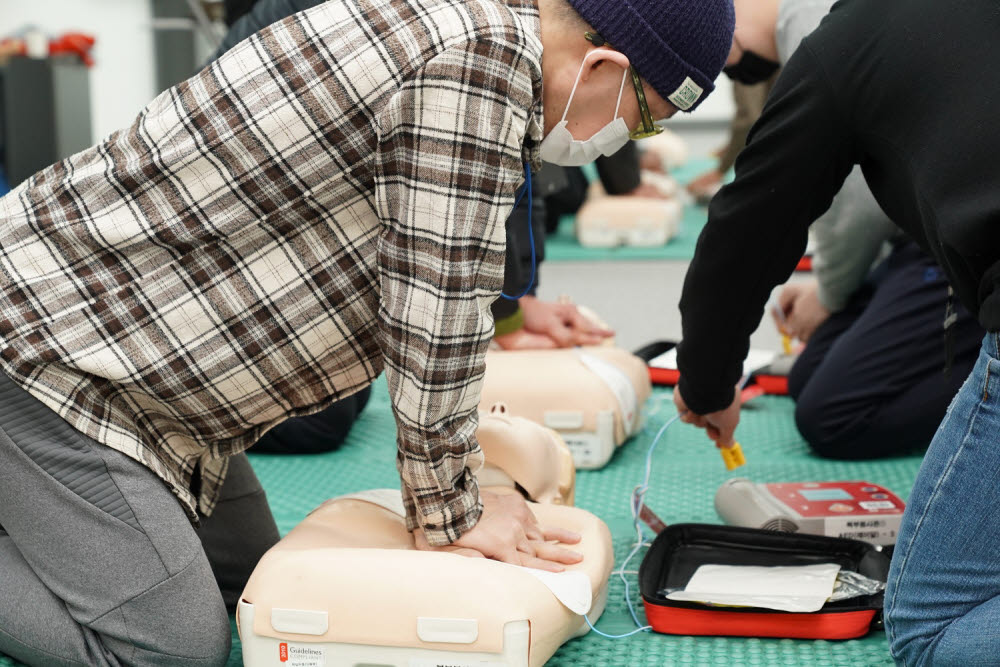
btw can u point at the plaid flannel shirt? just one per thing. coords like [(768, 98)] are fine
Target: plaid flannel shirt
[(325, 201)]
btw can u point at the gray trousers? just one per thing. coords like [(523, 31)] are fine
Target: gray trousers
[(99, 565)]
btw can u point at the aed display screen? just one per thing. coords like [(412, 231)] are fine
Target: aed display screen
[(814, 495)]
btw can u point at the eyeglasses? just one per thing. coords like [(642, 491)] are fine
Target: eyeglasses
[(647, 127)]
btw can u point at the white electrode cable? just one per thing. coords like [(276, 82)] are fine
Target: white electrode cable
[(636, 501)]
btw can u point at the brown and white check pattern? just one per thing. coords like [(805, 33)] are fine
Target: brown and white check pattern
[(324, 202)]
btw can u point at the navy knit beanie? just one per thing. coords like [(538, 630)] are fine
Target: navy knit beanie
[(678, 46)]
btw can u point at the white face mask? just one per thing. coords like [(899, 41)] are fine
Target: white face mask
[(559, 146)]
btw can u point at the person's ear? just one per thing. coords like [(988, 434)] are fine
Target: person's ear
[(602, 55)]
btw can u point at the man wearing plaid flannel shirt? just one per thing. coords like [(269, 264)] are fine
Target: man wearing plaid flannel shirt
[(323, 203)]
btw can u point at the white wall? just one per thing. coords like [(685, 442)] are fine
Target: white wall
[(719, 106), (122, 79)]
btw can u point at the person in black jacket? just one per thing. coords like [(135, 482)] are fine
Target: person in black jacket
[(907, 89)]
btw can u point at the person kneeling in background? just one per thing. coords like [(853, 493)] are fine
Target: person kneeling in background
[(879, 368)]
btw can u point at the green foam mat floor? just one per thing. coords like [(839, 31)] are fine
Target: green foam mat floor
[(563, 246), (686, 472)]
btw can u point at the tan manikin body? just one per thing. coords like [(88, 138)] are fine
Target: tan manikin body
[(347, 588), (607, 221), (594, 405)]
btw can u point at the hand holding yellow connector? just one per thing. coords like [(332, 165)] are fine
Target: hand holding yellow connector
[(782, 322), (719, 426), (732, 455), (786, 344)]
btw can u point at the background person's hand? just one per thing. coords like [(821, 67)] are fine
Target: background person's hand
[(508, 532), (562, 322), (706, 185), (803, 310), (524, 340), (720, 426)]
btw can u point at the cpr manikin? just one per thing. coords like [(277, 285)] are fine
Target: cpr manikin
[(591, 396), (519, 454), (346, 587), (607, 221)]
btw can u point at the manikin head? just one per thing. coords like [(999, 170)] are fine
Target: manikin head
[(754, 53), (677, 48)]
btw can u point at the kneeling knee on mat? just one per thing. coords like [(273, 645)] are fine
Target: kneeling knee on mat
[(180, 621)]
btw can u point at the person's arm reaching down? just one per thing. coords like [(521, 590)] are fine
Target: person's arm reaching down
[(449, 164), (797, 156)]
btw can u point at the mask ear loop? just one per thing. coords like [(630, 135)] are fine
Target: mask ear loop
[(620, 91)]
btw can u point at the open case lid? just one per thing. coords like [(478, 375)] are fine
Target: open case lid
[(771, 378), (349, 573), (679, 550)]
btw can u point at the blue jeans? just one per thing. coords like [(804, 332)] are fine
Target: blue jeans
[(942, 602)]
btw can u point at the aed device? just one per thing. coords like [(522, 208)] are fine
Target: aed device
[(681, 549), (856, 510)]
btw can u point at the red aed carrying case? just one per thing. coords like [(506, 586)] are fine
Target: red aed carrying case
[(679, 550), (763, 380)]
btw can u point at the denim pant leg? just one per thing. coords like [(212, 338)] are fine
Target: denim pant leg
[(943, 594)]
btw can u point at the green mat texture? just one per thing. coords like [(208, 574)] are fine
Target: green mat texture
[(563, 246), (686, 472)]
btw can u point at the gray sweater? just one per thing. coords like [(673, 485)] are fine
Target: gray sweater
[(852, 235)]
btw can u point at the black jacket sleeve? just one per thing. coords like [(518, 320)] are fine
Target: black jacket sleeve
[(797, 156), (619, 173), (263, 14)]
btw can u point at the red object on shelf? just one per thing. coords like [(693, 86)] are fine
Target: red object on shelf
[(12, 46), (73, 43)]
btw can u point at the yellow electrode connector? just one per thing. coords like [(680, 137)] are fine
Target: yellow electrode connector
[(786, 344), (733, 456)]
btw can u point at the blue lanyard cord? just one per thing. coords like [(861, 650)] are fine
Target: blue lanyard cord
[(531, 233)]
